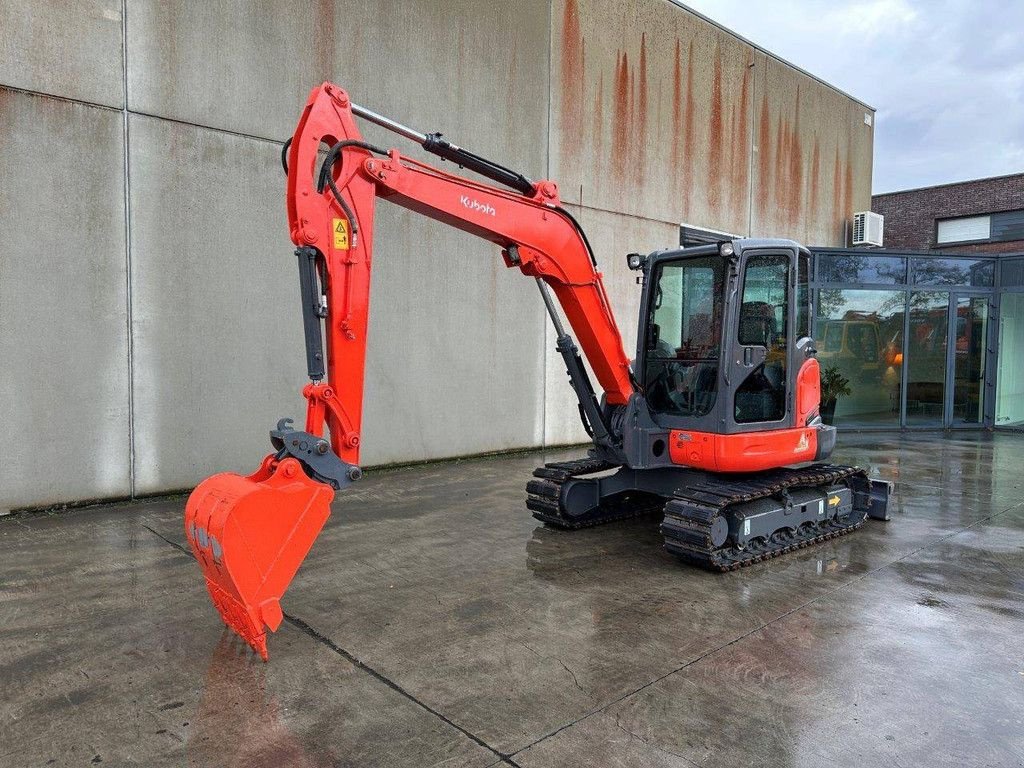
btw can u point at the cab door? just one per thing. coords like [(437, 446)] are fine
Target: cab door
[(770, 378)]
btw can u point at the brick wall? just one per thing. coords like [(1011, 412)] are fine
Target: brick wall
[(910, 216)]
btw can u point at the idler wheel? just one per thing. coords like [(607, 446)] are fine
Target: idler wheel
[(719, 531)]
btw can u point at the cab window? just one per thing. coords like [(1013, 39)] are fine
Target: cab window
[(683, 336), (763, 322)]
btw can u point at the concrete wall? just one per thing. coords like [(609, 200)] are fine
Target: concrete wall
[(149, 327), (660, 117)]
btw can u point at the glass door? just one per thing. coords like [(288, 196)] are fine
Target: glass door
[(948, 359), (927, 360), (969, 348), (1009, 381)]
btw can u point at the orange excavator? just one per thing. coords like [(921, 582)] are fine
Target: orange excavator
[(714, 427)]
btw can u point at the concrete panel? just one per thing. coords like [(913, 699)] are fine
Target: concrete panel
[(812, 166), (613, 235), (476, 70), (69, 48), (651, 112), (63, 308), (456, 340), (237, 65), (217, 337), (456, 358)]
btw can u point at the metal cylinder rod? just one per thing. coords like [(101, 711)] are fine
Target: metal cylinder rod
[(545, 293), (391, 125)]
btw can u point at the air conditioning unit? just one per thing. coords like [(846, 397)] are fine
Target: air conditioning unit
[(867, 228)]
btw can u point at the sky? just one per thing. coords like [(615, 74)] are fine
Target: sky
[(946, 76)]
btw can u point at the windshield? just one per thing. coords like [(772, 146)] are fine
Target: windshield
[(684, 336)]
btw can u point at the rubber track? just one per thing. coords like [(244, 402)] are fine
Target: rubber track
[(544, 496), (689, 517)]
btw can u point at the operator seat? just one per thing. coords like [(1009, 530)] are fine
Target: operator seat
[(762, 395)]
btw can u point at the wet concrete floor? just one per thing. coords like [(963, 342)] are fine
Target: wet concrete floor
[(436, 623)]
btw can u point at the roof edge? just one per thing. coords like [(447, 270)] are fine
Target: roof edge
[(947, 184)]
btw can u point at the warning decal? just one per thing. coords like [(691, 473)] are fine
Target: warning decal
[(341, 234)]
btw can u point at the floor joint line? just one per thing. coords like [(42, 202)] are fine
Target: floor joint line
[(354, 660)]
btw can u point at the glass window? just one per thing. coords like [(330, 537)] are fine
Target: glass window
[(963, 229), (855, 268), (1011, 273), (980, 272), (684, 336), (926, 357), (1008, 226), (860, 351), (1009, 381), (764, 320)]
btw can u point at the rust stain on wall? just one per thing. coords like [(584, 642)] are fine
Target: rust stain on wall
[(715, 135), (620, 117), (572, 79), (631, 96), (764, 157), (779, 169), (689, 140), (733, 154), (324, 39), (597, 128), (740, 141), (815, 179), (795, 181), (838, 208), (640, 116), (677, 116)]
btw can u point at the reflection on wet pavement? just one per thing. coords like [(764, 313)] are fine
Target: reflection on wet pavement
[(438, 623)]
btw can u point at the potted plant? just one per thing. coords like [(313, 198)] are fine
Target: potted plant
[(833, 386)]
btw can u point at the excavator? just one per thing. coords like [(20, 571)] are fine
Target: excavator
[(714, 427)]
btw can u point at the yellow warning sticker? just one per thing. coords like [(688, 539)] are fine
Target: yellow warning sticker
[(341, 234), (833, 501)]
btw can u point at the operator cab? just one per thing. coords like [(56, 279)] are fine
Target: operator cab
[(725, 330)]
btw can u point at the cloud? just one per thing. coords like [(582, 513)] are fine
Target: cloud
[(947, 76), (875, 18)]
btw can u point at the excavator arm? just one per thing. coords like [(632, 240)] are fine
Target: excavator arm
[(250, 534), (331, 204)]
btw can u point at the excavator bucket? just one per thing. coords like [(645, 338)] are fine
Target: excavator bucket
[(249, 535)]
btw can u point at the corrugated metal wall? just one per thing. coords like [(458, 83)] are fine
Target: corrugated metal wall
[(149, 329)]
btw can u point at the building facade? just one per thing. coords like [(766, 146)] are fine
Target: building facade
[(979, 216), (149, 311), (922, 340), (929, 331)]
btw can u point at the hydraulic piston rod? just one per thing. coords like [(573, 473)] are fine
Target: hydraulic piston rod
[(433, 143), (391, 125), (590, 411)]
